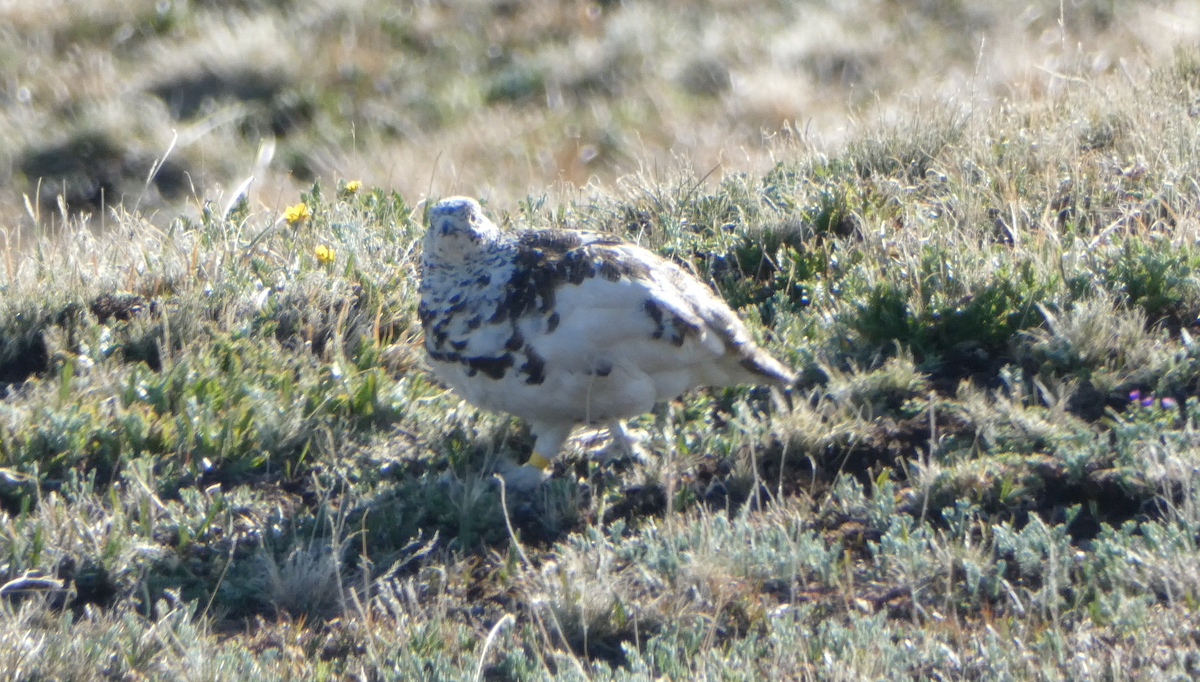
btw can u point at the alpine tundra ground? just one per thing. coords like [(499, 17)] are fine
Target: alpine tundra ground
[(222, 457)]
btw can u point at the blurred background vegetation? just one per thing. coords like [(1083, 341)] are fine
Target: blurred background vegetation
[(500, 98)]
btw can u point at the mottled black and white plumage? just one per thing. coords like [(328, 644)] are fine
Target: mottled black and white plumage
[(564, 327)]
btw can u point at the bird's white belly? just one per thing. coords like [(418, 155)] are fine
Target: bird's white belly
[(568, 395)]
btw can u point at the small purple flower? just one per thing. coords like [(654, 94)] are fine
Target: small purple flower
[(1135, 395), (1169, 403), (1147, 402)]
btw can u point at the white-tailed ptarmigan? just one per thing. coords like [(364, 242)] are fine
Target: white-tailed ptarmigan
[(565, 327)]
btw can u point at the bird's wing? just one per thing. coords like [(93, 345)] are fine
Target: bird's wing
[(480, 315), (701, 313), (619, 302)]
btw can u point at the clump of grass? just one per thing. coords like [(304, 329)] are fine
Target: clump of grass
[(230, 456)]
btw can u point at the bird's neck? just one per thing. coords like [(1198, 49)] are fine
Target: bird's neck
[(485, 254), (480, 271)]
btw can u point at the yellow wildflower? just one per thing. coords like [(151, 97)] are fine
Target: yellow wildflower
[(353, 186), (297, 213), (325, 254)]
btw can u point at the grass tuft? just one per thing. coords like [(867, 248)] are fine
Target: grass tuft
[(222, 455)]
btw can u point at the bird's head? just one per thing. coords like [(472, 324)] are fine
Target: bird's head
[(458, 230)]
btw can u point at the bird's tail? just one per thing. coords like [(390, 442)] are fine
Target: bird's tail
[(760, 363)]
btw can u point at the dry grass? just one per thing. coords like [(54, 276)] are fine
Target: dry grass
[(222, 458)]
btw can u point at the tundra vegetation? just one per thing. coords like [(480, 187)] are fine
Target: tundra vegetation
[(222, 457)]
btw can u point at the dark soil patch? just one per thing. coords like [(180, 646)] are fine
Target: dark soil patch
[(186, 94), (1044, 487), (888, 444), (967, 361), (276, 107), (638, 502), (1104, 496), (24, 357), (93, 584), (91, 171)]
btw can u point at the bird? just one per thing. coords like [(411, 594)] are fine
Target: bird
[(565, 327)]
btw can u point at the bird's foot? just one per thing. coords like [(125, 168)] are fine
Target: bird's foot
[(527, 477), (622, 444)]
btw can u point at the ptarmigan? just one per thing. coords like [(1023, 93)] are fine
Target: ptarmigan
[(564, 327)]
